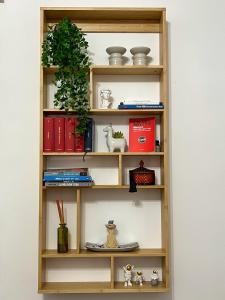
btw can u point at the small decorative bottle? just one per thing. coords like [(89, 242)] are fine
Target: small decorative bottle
[(157, 146), (62, 241)]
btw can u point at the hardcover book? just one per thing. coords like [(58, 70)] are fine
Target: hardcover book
[(79, 140), (59, 130), (89, 136), (69, 134), (48, 134), (142, 134)]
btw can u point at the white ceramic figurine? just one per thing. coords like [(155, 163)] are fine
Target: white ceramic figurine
[(139, 278), (128, 274), (106, 99), (154, 278), (114, 143)]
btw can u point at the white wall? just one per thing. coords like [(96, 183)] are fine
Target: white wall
[(197, 123)]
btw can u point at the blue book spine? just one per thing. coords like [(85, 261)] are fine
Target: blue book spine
[(67, 178), (65, 173), (89, 136), (140, 106)]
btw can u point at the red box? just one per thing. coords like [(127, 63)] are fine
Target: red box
[(142, 134)]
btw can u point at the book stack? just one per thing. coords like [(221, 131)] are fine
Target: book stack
[(60, 135), (67, 177), (140, 105)]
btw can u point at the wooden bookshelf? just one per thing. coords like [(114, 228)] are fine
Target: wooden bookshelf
[(100, 20)]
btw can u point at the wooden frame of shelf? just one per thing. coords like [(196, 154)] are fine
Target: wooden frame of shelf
[(143, 20)]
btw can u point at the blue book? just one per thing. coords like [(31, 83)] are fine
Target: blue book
[(140, 106), (89, 136), (67, 178)]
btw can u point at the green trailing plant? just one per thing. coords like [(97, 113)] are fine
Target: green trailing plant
[(65, 47), (118, 135)]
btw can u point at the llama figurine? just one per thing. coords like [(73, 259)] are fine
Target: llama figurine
[(114, 143)]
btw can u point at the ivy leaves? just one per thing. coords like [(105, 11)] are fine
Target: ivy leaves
[(65, 46)]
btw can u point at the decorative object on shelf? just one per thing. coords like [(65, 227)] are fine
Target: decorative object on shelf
[(65, 46), (154, 278), (100, 247), (106, 99), (139, 278), (114, 143), (118, 135), (111, 237), (140, 55), (128, 270), (142, 134), (141, 176), (157, 146), (116, 55), (62, 231)]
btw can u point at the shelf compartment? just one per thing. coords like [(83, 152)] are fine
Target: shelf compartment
[(52, 253), (103, 153), (97, 287), (109, 111)]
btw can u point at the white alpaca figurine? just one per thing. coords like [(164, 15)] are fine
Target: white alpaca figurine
[(113, 143), (128, 274)]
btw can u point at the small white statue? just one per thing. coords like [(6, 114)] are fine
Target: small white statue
[(114, 143), (106, 99), (139, 278), (154, 278), (128, 274)]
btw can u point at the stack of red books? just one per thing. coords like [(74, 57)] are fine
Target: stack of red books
[(59, 135)]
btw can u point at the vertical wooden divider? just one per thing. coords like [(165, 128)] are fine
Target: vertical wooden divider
[(164, 164), (91, 90), (120, 169), (78, 196), (112, 267)]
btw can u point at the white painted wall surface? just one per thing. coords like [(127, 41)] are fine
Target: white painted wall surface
[(197, 123)]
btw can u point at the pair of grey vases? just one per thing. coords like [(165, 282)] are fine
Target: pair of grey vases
[(139, 55)]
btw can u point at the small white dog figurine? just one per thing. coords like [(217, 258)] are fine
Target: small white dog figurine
[(106, 99), (113, 143), (128, 274), (139, 278)]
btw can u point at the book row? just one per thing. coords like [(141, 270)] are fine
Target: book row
[(60, 135)]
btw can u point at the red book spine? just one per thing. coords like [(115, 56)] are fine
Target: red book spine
[(79, 141), (48, 134), (69, 134), (59, 129), (142, 135)]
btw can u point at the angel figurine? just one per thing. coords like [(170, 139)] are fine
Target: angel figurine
[(128, 274)]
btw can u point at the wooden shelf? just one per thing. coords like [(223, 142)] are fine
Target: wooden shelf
[(126, 70), (106, 112), (103, 153), (98, 287), (117, 70), (150, 187), (52, 253)]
